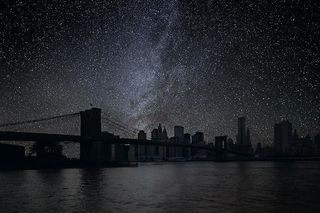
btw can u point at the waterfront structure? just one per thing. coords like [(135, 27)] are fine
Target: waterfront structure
[(178, 138), (142, 149), (99, 147), (282, 137), (164, 136), (241, 136), (221, 142), (258, 150), (142, 135), (186, 151), (198, 138), (179, 133), (155, 134), (301, 146), (91, 128), (11, 153), (159, 135)]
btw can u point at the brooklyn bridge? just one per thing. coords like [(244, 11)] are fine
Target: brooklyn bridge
[(101, 146)]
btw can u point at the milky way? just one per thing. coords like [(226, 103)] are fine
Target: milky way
[(199, 64)]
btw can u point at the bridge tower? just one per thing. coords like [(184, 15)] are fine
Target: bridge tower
[(91, 123), (91, 129)]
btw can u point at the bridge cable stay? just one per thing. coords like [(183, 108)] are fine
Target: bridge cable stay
[(130, 134), (38, 120), (118, 126), (110, 125), (121, 126), (119, 122)]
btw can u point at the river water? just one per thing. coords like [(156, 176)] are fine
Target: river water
[(167, 187)]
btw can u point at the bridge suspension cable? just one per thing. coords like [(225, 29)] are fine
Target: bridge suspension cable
[(119, 126), (118, 122), (38, 120), (113, 127)]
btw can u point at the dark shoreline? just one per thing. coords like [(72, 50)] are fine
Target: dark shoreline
[(73, 164), (60, 164)]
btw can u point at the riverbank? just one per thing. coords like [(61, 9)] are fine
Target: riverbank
[(39, 164)]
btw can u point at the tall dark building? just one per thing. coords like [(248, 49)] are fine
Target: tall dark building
[(248, 138), (230, 144), (160, 130), (197, 138), (142, 149), (187, 138), (179, 137), (282, 137), (179, 132), (221, 142), (301, 146), (164, 134), (159, 134), (241, 137), (142, 135), (155, 135), (186, 151)]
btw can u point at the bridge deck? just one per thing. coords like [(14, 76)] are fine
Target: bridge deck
[(28, 136)]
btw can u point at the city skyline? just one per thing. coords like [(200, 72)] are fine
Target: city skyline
[(105, 148), (293, 131)]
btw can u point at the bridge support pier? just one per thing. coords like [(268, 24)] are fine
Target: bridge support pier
[(91, 129)]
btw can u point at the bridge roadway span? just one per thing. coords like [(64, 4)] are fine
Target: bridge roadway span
[(38, 137)]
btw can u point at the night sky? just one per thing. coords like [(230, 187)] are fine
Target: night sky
[(199, 64)]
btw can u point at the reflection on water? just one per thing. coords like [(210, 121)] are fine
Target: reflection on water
[(171, 187)]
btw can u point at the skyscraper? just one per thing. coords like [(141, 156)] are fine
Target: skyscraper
[(155, 134), (186, 151), (197, 138), (179, 133), (220, 142), (159, 134), (160, 131), (241, 137), (142, 135), (141, 152), (282, 137), (164, 134), (248, 137), (187, 138)]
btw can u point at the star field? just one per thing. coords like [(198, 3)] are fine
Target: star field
[(199, 64)]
